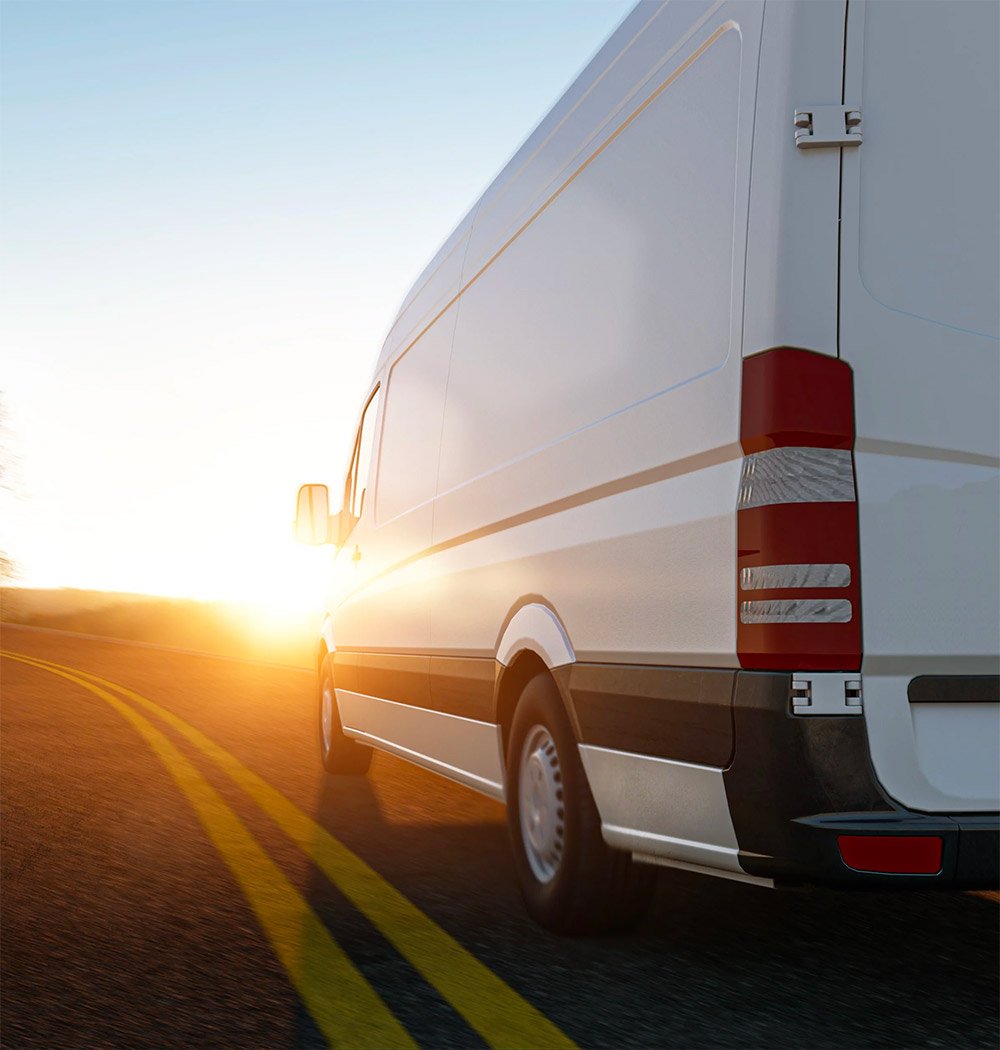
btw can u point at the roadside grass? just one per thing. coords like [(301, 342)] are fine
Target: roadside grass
[(239, 630)]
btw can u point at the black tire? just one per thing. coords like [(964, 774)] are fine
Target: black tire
[(581, 885), (338, 753)]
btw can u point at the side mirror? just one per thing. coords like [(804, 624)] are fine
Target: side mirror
[(312, 516)]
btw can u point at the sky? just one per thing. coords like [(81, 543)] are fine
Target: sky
[(209, 213)]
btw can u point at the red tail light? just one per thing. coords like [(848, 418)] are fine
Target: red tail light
[(797, 523)]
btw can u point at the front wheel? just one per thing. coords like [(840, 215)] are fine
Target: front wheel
[(338, 753), (571, 880)]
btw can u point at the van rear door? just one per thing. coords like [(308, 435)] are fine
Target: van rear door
[(918, 324)]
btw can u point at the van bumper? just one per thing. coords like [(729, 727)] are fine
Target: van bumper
[(802, 793), (969, 848)]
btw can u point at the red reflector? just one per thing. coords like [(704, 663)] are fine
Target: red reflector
[(892, 854)]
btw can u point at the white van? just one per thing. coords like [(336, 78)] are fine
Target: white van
[(672, 515)]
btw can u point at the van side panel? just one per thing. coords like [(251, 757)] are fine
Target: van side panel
[(622, 76), (618, 291), (590, 451), (792, 246)]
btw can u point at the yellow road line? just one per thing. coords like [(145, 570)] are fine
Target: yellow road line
[(501, 1016), (353, 1015)]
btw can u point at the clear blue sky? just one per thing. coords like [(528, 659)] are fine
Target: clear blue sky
[(210, 212)]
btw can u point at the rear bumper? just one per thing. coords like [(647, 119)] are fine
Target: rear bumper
[(796, 785), (970, 846)]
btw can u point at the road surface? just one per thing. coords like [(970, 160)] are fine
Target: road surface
[(179, 871)]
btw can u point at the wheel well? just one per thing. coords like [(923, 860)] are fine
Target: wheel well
[(512, 682)]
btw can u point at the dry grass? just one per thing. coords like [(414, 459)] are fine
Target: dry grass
[(220, 628)]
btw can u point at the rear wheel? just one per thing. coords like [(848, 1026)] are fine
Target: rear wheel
[(571, 880), (338, 753)]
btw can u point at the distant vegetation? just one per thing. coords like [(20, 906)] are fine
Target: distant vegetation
[(220, 628), (8, 464)]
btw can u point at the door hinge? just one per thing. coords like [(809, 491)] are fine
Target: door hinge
[(826, 694), (827, 126)]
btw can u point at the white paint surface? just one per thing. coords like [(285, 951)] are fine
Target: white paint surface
[(920, 301), (536, 628)]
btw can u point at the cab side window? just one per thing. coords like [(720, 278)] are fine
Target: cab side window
[(357, 479)]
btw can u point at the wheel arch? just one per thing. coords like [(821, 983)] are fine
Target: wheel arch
[(532, 641), (325, 645)]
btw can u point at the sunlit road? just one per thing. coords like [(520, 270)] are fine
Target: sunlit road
[(175, 874)]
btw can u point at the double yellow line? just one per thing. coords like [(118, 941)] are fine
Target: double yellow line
[(346, 1008)]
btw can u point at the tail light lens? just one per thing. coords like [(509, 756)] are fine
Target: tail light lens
[(797, 522), (892, 854)]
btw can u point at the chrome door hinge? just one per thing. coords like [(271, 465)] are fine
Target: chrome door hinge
[(826, 694), (825, 126)]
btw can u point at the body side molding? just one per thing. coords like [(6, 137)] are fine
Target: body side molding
[(462, 749), (678, 713), (660, 807)]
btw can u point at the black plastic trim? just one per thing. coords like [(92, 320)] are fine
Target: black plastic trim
[(677, 713), (796, 783), (347, 670), (452, 685), (954, 689)]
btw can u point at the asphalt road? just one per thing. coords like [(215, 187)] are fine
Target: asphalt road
[(158, 889)]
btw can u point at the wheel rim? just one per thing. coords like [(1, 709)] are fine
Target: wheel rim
[(326, 715), (540, 803)]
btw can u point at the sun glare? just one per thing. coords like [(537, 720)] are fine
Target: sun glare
[(280, 581)]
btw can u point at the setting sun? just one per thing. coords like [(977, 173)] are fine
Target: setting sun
[(204, 240)]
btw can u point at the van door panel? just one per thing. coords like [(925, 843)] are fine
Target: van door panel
[(396, 601), (351, 570), (918, 314)]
